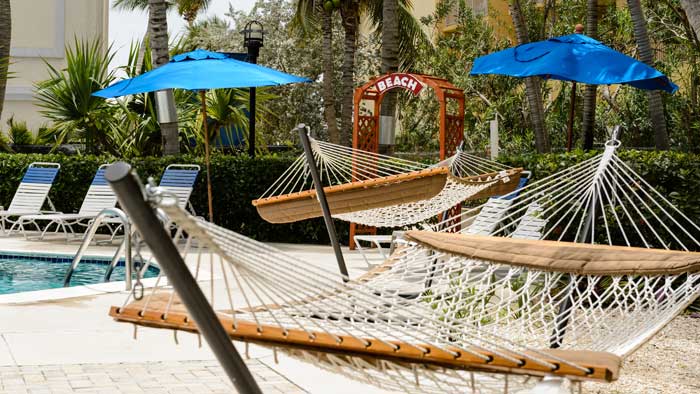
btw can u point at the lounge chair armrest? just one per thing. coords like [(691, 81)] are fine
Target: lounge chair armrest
[(50, 212)]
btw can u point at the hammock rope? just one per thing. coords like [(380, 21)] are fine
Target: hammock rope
[(345, 170), (601, 200), (448, 312)]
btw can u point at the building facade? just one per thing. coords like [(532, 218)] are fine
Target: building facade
[(41, 29)]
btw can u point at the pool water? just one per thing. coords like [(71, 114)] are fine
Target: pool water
[(29, 272)]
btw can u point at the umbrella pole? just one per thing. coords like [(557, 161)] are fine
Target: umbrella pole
[(572, 110), (203, 96)]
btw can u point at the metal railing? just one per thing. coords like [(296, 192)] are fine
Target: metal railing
[(124, 247)]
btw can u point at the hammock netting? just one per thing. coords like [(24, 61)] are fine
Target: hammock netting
[(601, 200), (377, 190), (456, 313)]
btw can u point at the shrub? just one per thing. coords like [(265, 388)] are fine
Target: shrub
[(236, 181)]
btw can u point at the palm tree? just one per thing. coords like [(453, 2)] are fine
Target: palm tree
[(189, 9), (390, 55), (350, 12), (158, 22), (532, 84), (409, 29), (656, 106), (304, 16), (5, 41), (589, 97), (692, 10)]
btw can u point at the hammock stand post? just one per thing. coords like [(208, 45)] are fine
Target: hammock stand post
[(321, 195), (129, 191)]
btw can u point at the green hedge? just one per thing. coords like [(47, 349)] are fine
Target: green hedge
[(236, 181)]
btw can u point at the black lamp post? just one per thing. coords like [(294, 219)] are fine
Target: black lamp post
[(253, 39)]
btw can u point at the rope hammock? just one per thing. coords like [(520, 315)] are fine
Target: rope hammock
[(455, 313), (446, 313), (601, 200), (378, 190)]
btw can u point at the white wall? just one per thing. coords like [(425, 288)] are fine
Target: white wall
[(40, 31)]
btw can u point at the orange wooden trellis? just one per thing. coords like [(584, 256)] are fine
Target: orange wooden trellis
[(365, 133)]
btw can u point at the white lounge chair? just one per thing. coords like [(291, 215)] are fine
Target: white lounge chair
[(99, 197), (31, 194), (178, 180)]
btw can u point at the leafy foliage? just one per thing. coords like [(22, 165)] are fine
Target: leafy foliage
[(66, 97), (677, 53)]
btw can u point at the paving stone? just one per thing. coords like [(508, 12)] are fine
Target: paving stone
[(172, 377)]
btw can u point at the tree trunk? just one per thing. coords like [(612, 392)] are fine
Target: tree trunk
[(158, 21), (390, 63), (532, 84), (656, 106), (5, 43), (329, 79), (145, 43), (692, 10), (589, 95), (351, 20)]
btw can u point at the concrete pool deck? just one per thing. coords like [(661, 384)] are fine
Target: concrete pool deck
[(70, 345)]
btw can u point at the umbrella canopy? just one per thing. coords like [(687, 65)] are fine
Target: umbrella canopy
[(574, 57), (200, 70)]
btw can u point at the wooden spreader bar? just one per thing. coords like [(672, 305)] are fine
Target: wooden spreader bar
[(354, 196), (604, 366), (377, 193)]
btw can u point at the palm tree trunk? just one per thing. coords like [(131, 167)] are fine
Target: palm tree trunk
[(692, 10), (329, 79), (589, 95), (390, 61), (5, 43), (656, 107), (351, 20), (532, 84), (157, 19), (145, 43)]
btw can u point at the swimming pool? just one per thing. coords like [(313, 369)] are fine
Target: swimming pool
[(20, 272)]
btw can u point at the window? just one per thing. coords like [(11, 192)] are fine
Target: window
[(478, 7)]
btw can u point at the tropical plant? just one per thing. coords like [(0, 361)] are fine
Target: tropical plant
[(189, 9), (5, 43), (656, 105), (351, 12), (302, 23), (589, 96), (66, 96), (532, 84), (390, 56), (18, 132)]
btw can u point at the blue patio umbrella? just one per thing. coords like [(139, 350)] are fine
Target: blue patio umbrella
[(201, 70), (576, 58)]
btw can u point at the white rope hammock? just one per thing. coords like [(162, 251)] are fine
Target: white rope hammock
[(431, 319), (455, 313), (601, 200), (340, 165)]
